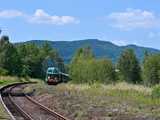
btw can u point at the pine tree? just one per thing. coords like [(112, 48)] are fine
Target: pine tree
[(129, 67)]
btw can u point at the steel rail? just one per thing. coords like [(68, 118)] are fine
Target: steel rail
[(3, 94), (22, 112), (55, 114)]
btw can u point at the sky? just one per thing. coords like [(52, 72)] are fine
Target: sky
[(119, 21)]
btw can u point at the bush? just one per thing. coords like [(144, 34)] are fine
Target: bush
[(3, 71), (156, 91)]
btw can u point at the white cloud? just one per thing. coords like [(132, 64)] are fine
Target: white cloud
[(134, 18), (39, 17), (10, 13)]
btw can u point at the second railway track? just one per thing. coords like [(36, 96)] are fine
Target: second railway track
[(23, 107)]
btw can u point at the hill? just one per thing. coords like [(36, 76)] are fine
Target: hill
[(100, 48)]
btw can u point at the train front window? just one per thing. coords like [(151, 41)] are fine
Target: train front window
[(50, 71), (55, 71)]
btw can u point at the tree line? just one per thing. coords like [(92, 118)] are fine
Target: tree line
[(27, 59), (85, 68), (32, 60)]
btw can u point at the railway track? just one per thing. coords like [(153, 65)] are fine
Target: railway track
[(22, 107)]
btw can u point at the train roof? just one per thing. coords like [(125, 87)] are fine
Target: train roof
[(52, 68), (55, 70)]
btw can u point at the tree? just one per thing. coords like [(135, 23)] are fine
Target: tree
[(151, 69), (47, 48), (129, 67), (52, 57), (30, 60), (146, 54), (106, 71), (35, 60), (9, 58), (83, 53), (80, 69), (84, 68)]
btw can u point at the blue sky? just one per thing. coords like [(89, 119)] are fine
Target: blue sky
[(119, 21)]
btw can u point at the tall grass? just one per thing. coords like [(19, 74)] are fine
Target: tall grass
[(134, 99), (123, 91)]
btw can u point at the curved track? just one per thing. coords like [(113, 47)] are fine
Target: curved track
[(23, 107)]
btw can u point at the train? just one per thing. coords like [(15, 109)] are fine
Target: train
[(54, 76)]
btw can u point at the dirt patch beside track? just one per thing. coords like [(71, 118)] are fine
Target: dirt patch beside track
[(84, 104)]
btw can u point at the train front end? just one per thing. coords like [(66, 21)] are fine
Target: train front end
[(52, 76)]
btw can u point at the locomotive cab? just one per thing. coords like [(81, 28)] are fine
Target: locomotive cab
[(53, 76)]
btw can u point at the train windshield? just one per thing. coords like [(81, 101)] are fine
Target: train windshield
[(53, 71)]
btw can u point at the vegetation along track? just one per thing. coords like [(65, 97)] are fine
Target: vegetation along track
[(22, 107)]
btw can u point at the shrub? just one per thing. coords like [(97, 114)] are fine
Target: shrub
[(156, 91), (3, 71)]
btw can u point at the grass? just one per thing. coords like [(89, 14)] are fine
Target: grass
[(137, 94), (81, 101), (5, 80), (3, 115)]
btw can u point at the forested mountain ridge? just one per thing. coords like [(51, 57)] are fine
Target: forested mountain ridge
[(100, 48)]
